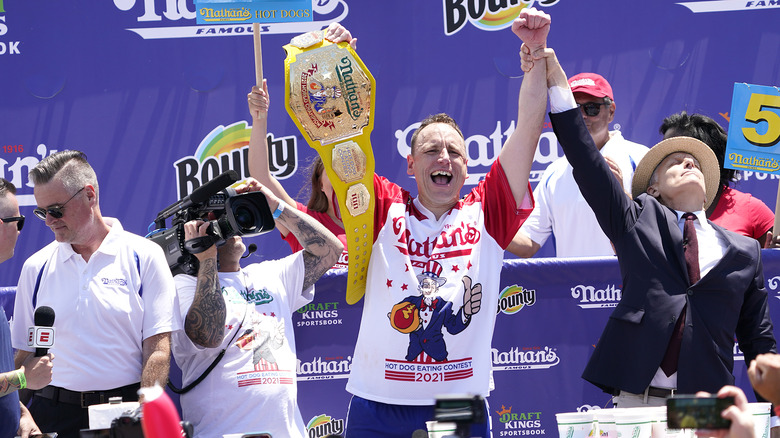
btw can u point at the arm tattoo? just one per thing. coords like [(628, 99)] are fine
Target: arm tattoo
[(9, 382), (205, 321), (321, 249)]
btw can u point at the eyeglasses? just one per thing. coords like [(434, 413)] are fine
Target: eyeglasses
[(18, 219), (591, 109), (55, 212)]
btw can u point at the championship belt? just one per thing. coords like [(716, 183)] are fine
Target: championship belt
[(330, 96)]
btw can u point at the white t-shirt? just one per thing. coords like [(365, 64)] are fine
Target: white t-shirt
[(448, 352), (104, 308), (561, 210), (253, 388)]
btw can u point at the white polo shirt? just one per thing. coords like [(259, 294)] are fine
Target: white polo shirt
[(103, 308)]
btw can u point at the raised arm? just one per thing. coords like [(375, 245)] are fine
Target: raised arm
[(517, 155), (205, 320), (321, 248)]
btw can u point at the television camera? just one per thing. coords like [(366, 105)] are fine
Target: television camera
[(229, 214)]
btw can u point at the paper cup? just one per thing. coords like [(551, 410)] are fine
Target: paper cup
[(635, 422), (576, 424), (605, 421), (761, 416), (439, 429)]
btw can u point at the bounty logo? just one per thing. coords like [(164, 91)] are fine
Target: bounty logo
[(319, 314), (514, 298), (227, 148), (591, 298), (484, 14), (525, 358), (324, 425)]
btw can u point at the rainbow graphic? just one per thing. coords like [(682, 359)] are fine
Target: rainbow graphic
[(318, 421), (223, 140), (501, 19)]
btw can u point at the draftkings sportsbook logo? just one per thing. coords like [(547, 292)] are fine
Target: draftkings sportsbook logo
[(226, 148), (318, 314), (484, 14), (518, 423), (514, 298), (588, 297), (324, 425), (524, 358)]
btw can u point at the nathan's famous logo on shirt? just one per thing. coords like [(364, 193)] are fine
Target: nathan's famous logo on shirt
[(226, 148), (524, 358), (514, 298), (518, 423), (324, 425), (113, 281), (455, 240), (316, 314), (485, 15), (324, 368), (588, 297), (257, 297)]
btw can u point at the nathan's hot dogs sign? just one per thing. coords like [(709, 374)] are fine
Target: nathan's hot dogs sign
[(754, 129), (256, 11)]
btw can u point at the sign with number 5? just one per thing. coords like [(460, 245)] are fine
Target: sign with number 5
[(754, 129)]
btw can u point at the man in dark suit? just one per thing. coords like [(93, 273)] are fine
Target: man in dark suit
[(644, 355)]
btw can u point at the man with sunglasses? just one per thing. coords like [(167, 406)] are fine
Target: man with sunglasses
[(560, 209), (112, 293), (35, 373)]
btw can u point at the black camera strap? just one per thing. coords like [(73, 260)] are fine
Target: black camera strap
[(208, 370), (197, 245)]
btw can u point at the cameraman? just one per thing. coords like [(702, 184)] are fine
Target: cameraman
[(247, 312)]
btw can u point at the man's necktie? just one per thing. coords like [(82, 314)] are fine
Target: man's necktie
[(691, 250)]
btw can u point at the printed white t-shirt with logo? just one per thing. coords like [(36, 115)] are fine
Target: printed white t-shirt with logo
[(253, 388), (468, 241)]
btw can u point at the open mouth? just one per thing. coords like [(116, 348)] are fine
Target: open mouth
[(441, 177)]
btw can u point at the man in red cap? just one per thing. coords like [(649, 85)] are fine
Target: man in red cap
[(560, 208)]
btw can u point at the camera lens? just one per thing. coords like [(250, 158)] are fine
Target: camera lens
[(245, 218)]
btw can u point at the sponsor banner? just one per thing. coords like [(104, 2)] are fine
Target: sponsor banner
[(255, 11), (754, 129)]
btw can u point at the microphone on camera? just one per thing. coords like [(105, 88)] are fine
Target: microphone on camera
[(202, 193), (41, 335), (250, 249)]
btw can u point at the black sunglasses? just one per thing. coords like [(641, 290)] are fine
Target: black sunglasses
[(18, 219), (55, 212), (591, 109)]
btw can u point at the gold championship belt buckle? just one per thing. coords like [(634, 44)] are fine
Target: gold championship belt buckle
[(330, 96)]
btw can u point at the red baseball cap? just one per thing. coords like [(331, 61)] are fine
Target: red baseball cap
[(590, 83)]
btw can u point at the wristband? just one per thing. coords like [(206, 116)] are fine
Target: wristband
[(22, 379), (279, 209)]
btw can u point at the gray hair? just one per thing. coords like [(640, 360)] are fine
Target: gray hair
[(70, 166)]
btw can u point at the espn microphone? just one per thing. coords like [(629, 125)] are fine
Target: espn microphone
[(41, 335)]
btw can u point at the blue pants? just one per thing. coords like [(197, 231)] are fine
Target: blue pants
[(366, 418)]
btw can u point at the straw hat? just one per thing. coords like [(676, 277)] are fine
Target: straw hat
[(709, 164)]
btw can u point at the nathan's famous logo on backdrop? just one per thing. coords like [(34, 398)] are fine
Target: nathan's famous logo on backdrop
[(324, 425), (163, 19), (18, 170), (226, 148), (588, 297), (738, 354), (514, 298), (723, 6), (484, 14), (324, 368), (518, 423), (524, 358), (317, 314), (483, 149)]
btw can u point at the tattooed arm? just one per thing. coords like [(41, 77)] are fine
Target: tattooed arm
[(321, 248), (205, 320)]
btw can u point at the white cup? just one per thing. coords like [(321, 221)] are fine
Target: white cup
[(440, 429), (605, 420), (635, 422), (576, 424), (761, 418)]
